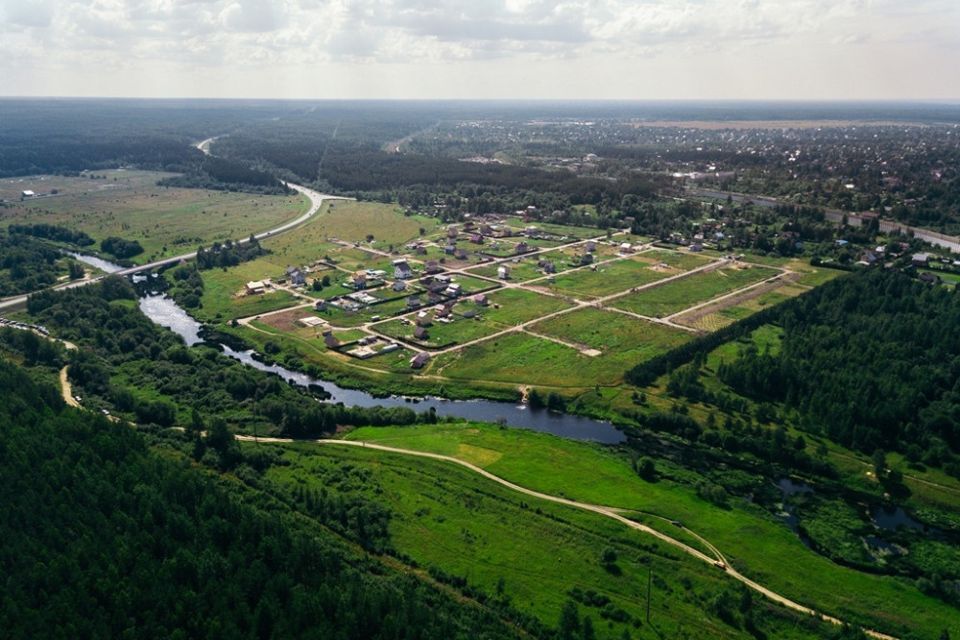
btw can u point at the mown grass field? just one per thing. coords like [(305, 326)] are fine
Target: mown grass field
[(532, 552), (758, 545), (520, 358), (129, 204), (677, 295), (606, 279), (613, 333)]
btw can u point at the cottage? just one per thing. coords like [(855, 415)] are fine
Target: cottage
[(590, 246), (296, 277), (453, 290), (420, 360), (920, 259), (27, 193), (413, 302), (452, 233), (399, 285), (476, 238), (696, 247), (503, 272), (522, 247), (481, 300), (450, 249), (359, 281), (255, 287), (320, 305), (432, 266), (423, 319), (460, 254), (401, 270), (586, 258), (626, 247), (420, 333)]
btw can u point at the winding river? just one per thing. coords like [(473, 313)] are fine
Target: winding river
[(163, 311)]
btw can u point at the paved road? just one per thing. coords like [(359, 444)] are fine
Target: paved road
[(609, 512), (316, 201)]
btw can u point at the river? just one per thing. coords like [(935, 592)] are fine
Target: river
[(165, 312)]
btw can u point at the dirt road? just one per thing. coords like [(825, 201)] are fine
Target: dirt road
[(609, 512)]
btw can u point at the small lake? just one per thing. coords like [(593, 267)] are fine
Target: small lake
[(892, 518), (163, 311)]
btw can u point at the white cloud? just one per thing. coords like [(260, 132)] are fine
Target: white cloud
[(508, 39)]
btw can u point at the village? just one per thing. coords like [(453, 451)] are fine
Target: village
[(460, 289)]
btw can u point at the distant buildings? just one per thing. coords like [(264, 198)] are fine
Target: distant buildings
[(401, 270)]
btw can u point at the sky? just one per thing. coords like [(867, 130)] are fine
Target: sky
[(579, 49)]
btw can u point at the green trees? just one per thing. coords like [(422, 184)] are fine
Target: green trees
[(103, 538)]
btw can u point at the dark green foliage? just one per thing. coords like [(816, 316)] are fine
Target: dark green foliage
[(226, 175), (229, 253), (27, 264), (120, 247), (872, 360), (52, 232), (102, 538)]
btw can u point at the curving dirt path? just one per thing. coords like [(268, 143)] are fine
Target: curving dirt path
[(609, 512)]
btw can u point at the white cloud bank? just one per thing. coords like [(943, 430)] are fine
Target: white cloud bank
[(482, 48)]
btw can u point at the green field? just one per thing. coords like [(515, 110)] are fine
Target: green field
[(677, 295), (532, 552), (614, 334), (521, 358), (607, 279), (166, 221), (755, 542)]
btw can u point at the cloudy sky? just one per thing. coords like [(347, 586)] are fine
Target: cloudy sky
[(632, 49)]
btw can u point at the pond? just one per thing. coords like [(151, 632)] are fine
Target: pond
[(163, 311)]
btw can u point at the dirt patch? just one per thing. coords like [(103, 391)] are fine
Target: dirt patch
[(286, 320)]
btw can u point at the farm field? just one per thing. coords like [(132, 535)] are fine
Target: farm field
[(751, 539), (613, 333), (446, 517), (675, 296), (606, 279), (166, 221)]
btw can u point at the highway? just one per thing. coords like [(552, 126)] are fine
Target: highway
[(316, 201)]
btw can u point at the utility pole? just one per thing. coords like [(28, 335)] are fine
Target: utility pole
[(649, 582)]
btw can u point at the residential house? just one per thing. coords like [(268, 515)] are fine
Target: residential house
[(413, 302), (420, 360), (432, 266), (481, 300), (330, 340), (255, 287), (920, 259), (522, 247), (401, 269), (420, 333), (399, 285), (296, 277), (503, 272), (454, 290), (476, 238)]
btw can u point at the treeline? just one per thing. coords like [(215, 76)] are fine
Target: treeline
[(102, 538), (229, 253), (120, 247), (28, 264), (872, 361), (164, 380), (227, 175), (52, 232)]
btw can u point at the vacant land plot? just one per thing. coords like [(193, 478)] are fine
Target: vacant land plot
[(522, 358), (607, 279), (165, 221), (224, 298), (725, 312), (680, 294), (612, 333), (522, 270), (681, 260)]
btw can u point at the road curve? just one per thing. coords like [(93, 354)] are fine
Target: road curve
[(316, 201), (609, 512)]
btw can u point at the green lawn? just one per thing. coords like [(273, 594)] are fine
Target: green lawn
[(608, 278), (682, 293)]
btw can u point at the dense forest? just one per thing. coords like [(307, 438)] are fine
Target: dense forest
[(28, 263), (871, 361), (103, 538), (226, 175)]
